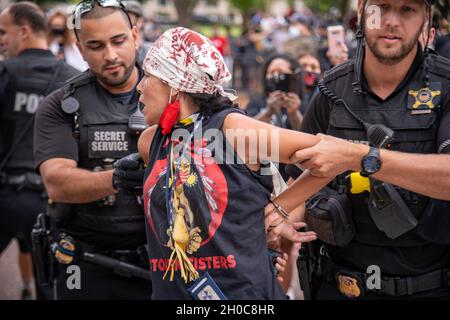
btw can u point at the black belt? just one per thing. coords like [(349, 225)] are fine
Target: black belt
[(350, 282), (26, 181), (411, 285)]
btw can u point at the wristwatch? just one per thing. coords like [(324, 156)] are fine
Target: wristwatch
[(371, 163)]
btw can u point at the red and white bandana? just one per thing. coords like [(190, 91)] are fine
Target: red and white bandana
[(188, 62)]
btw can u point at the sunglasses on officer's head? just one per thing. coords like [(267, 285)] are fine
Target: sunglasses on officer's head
[(87, 5)]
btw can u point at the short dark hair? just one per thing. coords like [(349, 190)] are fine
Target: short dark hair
[(211, 103), (98, 12), (28, 13)]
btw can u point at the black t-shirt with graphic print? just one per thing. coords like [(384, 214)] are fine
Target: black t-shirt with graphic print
[(224, 206)]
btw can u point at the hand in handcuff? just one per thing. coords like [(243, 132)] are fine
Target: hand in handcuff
[(282, 235), (279, 226)]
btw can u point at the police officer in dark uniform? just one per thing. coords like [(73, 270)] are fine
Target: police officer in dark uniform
[(29, 73), (386, 114), (80, 131)]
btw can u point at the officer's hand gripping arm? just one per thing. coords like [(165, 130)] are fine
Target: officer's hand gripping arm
[(129, 174)]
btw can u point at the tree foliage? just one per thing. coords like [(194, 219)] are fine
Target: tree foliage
[(185, 9), (246, 7)]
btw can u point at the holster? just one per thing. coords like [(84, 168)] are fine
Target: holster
[(389, 211), (42, 256)]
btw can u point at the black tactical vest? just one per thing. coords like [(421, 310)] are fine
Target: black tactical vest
[(30, 75), (103, 136), (415, 132)]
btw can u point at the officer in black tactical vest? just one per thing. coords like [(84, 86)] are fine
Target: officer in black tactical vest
[(383, 224), (29, 73), (80, 131)]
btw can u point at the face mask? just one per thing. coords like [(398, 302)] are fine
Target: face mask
[(310, 79), (58, 32)]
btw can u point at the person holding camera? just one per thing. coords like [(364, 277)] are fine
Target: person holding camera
[(280, 103)]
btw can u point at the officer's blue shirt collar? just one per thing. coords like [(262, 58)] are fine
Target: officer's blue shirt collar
[(128, 97), (124, 98), (415, 67)]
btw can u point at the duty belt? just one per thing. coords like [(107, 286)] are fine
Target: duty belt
[(127, 263), (353, 283)]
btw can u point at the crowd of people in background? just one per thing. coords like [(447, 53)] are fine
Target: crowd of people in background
[(258, 55), (246, 49)]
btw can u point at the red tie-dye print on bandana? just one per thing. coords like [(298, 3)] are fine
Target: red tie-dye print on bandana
[(188, 62)]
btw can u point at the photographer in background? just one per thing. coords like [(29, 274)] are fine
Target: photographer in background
[(305, 51), (280, 102)]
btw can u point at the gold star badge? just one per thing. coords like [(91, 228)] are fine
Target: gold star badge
[(424, 97)]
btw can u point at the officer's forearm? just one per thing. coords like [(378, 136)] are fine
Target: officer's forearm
[(428, 175), (425, 174), (75, 185)]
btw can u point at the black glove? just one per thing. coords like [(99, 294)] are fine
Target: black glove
[(129, 174)]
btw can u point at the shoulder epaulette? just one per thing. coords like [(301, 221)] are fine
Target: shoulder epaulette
[(76, 81), (339, 71), (80, 79), (439, 65)]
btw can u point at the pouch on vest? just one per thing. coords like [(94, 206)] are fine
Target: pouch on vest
[(388, 210), (328, 213), (434, 225)]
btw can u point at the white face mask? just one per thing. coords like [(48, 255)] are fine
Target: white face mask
[(294, 32)]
